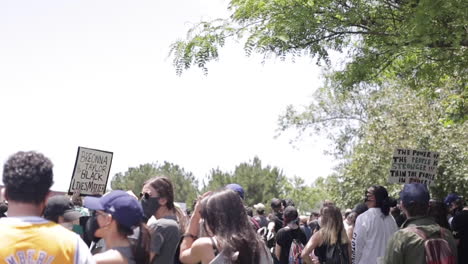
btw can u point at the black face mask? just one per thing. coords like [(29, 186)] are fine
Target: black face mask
[(91, 226), (150, 206)]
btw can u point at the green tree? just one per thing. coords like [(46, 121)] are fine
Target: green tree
[(260, 183), (388, 118), (185, 184), (306, 197), (422, 42)]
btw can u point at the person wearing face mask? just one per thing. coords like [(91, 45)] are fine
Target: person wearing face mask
[(157, 200), (374, 227), (115, 217), (60, 210), (26, 236)]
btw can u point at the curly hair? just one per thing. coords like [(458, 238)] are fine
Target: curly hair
[(27, 177)]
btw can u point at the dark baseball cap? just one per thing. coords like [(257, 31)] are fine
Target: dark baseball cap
[(60, 205), (451, 198), (414, 192), (237, 188), (123, 207)]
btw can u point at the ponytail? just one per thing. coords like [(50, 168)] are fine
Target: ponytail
[(382, 200), (385, 207)]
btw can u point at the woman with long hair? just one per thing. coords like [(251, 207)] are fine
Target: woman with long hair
[(231, 236), (374, 227), (332, 233), (157, 200), (115, 217)]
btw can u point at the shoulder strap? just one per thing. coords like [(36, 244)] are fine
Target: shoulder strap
[(442, 232), (215, 248), (418, 231)]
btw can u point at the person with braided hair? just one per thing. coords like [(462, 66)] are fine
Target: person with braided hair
[(374, 227)]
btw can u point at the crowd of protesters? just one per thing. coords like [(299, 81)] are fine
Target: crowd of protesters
[(120, 227)]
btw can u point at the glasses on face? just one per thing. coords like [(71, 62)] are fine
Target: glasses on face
[(97, 213)]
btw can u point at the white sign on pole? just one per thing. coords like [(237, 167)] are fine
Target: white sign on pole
[(91, 171), (411, 165)]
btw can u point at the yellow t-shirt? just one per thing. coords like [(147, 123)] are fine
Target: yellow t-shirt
[(36, 240)]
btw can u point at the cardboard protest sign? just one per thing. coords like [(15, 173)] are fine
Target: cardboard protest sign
[(91, 171), (411, 165)]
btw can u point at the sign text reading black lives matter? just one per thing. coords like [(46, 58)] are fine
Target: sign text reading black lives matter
[(91, 171), (414, 166)]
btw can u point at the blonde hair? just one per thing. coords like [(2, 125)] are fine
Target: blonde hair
[(332, 226)]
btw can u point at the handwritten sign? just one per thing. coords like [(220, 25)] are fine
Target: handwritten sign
[(91, 171), (411, 165)]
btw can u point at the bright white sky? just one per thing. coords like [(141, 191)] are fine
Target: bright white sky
[(96, 74)]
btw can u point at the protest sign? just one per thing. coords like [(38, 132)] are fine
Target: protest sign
[(91, 171), (411, 165)]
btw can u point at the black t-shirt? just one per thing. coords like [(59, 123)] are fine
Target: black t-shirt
[(284, 238), (278, 219), (460, 231)]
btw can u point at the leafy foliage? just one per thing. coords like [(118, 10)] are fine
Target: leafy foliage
[(184, 183), (263, 183), (260, 183), (391, 117), (423, 42)]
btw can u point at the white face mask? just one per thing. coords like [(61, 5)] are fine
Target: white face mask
[(68, 225)]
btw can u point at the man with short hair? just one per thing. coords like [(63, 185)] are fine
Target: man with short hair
[(276, 223), (406, 246), (26, 237)]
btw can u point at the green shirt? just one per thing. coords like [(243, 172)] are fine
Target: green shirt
[(407, 247)]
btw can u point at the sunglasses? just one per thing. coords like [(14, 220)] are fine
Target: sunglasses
[(146, 196)]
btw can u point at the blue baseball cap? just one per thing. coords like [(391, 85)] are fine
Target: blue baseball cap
[(237, 188), (414, 192), (451, 198), (123, 207)]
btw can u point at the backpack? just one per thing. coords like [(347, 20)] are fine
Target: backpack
[(337, 253), (267, 236), (295, 252), (437, 249)]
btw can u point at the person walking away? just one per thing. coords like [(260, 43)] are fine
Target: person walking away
[(374, 227), (460, 231), (27, 177), (230, 236), (409, 245), (332, 236), (286, 235), (261, 219)]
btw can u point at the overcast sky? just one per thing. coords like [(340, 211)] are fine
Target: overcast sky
[(96, 74)]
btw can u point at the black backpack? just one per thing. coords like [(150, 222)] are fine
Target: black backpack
[(337, 253)]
